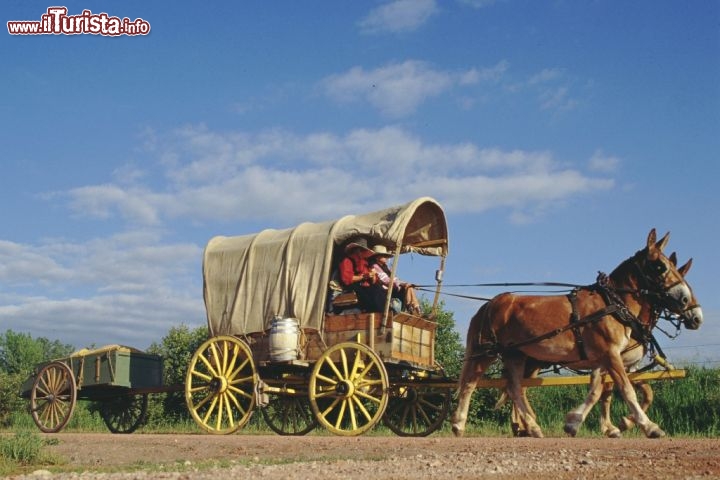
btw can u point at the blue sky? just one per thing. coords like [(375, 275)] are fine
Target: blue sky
[(556, 134)]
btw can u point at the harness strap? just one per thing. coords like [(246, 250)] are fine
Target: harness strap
[(593, 317), (574, 319)]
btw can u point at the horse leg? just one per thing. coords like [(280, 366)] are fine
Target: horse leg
[(523, 413), (575, 418), (619, 376), (519, 429), (471, 372), (628, 422), (606, 426)]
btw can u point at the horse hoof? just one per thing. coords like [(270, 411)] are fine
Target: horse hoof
[(652, 430), (457, 431), (572, 423), (613, 433)]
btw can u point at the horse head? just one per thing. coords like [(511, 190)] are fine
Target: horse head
[(692, 316), (665, 283)]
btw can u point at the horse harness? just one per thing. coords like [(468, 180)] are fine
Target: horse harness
[(614, 307)]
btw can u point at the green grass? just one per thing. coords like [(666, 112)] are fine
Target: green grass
[(683, 407), (24, 449)]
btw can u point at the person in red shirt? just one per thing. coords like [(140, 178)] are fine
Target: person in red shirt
[(403, 291), (356, 275)]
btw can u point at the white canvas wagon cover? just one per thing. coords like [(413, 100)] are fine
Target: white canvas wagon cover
[(251, 278)]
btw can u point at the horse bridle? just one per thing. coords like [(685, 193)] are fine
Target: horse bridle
[(652, 287)]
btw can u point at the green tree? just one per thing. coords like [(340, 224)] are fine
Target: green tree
[(450, 353), (19, 353), (449, 350), (176, 348)]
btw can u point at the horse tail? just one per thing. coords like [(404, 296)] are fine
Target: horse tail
[(472, 344)]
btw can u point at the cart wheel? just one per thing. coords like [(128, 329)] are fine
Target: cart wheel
[(53, 397), (124, 413), (348, 389), (289, 415), (220, 385), (416, 410)]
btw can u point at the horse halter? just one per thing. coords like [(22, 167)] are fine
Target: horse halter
[(652, 276)]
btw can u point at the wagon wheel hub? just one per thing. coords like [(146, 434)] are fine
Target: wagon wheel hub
[(411, 395), (345, 389), (218, 384)]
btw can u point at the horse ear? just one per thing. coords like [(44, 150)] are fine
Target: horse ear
[(652, 236), (660, 245), (685, 268), (673, 258)]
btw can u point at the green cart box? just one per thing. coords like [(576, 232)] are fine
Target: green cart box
[(107, 368), (116, 366)]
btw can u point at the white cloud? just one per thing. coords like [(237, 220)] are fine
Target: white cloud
[(396, 89), (132, 287), (398, 16), (479, 3), (235, 176), (128, 288), (600, 162)]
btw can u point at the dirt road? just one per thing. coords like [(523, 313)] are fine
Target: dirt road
[(105, 456)]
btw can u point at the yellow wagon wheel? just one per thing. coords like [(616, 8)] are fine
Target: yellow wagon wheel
[(348, 389), (53, 397), (220, 385)]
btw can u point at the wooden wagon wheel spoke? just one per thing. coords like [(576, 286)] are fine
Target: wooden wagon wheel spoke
[(366, 396), (53, 397), (331, 407), (240, 380), (341, 415), (211, 369), (235, 401), (124, 414), (417, 410), (328, 380), (348, 389), (239, 369), (289, 414), (361, 408), (220, 385), (240, 392)]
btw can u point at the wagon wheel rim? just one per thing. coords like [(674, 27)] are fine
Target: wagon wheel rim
[(416, 410), (289, 415), (53, 397), (220, 385), (125, 413), (348, 389)]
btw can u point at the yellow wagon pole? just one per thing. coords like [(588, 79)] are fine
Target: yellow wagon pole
[(561, 380)]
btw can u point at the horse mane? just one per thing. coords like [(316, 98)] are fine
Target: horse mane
[(626, 271)]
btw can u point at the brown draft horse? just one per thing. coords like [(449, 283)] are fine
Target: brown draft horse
[(587, 330), (600, 391)]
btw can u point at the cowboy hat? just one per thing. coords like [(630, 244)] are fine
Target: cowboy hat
[(358, 242), (381, 250)]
